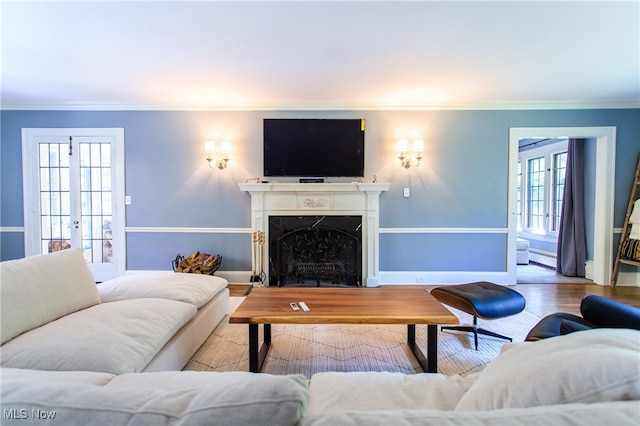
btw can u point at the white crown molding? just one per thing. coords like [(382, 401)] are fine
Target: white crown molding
[(520, 105)]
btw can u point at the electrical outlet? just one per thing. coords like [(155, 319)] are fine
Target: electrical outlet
[(406, 193), (419, 279)]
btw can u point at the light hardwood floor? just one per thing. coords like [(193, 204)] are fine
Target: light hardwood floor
[(544, 299)]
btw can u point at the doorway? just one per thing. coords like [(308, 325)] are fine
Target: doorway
[(605, 139), (73, 186)]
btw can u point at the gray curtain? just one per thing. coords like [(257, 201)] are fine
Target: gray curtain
[(572, 246)]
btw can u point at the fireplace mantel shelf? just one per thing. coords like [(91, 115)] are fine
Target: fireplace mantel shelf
[(362, 199), (314, 187)]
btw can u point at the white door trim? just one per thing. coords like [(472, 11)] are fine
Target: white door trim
[(604, 192)]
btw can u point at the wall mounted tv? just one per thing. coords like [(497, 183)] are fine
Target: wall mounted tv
[(314, 147)]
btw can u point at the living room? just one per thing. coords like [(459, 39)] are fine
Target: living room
[(457, 85)]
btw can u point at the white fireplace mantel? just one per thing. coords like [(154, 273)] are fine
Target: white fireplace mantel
[(307, 199)]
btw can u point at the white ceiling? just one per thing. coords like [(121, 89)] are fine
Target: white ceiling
[(320, 55)]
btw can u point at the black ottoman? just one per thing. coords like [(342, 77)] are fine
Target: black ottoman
[(482, 300)]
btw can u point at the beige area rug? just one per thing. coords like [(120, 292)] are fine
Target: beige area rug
[(309, 349)]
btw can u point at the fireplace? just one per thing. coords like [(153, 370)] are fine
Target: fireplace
[(348, 214), (315, 251)]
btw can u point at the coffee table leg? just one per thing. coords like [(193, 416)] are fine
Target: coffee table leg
[(257, 356), (432, 348), (429, 363)]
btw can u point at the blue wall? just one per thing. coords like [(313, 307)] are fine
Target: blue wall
[(462, 182)]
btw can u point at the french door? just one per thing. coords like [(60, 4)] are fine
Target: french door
[(74, 195)]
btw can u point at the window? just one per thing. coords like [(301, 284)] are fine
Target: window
[(541, 176)]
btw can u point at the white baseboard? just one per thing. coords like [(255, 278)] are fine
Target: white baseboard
[(235, 277), (625, 279), (588, 270), (543, 257), (628, 279)]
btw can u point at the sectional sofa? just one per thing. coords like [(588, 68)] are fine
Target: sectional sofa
[(55, 317), (584, 378)]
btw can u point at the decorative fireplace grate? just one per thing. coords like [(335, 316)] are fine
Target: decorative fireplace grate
[(320, 271), (315, 251)]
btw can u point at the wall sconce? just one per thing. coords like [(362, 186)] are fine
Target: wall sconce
[(405, 160), (210, 149)]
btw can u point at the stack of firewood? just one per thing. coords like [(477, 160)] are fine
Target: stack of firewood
[(199, 263)]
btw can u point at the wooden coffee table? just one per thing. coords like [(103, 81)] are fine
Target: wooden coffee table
[(383, 305)]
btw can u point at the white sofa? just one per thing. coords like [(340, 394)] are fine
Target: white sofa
[(55, 318), (585, 378)]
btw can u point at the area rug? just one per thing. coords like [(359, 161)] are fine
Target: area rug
[(309, 349)]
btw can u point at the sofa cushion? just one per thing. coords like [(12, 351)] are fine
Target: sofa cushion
[(39, 289), (609, 413), (362, 391), (231, 398), (115, 337), (583, 367), (189, 288)]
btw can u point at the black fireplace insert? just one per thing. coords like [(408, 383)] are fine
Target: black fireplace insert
[(315, 251)]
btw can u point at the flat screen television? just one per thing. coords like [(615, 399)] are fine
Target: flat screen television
[(314, 147)]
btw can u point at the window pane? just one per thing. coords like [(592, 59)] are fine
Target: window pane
[(66, 228), (85, 200), (106, 203), (519, 197), (44, 155), (559, 172), (535, 190), (85, 154), (54, 179), (65, 203)]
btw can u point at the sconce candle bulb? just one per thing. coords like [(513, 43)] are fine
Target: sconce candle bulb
[(210, 149), (405, 160)]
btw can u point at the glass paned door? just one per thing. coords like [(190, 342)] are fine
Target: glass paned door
[(75, 196), (96, 202), (55, 201)]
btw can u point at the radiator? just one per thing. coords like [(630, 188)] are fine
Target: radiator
[(542, 257)]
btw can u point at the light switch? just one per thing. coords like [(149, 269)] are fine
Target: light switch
[(127, 200), (407, 192)]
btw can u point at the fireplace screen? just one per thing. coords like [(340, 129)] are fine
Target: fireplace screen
[(318, 251)]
